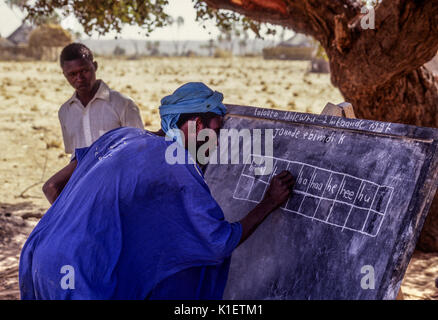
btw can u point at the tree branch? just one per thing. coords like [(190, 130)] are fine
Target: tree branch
[(312, 17), (336, 24)]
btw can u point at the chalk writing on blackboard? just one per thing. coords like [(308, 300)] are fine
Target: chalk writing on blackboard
[(331, 197)]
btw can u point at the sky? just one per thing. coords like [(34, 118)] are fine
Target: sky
[(10, 19)]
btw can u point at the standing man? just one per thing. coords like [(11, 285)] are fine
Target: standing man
[(94, 108)]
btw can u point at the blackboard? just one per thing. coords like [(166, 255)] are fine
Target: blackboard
[(363, 189)]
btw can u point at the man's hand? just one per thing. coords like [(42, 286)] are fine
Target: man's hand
[(277, 193), (54, 186), (280, 189)]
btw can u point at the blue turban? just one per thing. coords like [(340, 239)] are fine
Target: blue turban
[(193, 97)]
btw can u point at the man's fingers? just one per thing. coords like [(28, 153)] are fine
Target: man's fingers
[(280, 188), (291, 182), (285, 195), (287, 179), (282, 174), (287, 186)]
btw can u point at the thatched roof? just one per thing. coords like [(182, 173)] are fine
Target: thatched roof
[(49, 35), (21, 34)]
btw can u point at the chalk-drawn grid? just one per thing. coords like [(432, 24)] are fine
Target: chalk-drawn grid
[(334, 198)]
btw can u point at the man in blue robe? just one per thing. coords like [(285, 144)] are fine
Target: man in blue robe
[(126, 224)]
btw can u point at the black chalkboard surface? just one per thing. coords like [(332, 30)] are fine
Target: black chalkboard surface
[(362, 192)]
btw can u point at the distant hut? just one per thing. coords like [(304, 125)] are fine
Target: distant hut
[(20, 37), (299, 47), (5, 43), (47, 41), (6, 49)]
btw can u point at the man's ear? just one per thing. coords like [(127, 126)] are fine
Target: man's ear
[(95, 65), (199, 125)]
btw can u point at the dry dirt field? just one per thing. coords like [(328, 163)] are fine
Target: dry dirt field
[(31, 147)]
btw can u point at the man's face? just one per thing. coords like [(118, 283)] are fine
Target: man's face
[(81, 74), (213, 124), (216, 124)]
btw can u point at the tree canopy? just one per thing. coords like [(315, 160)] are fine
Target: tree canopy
[(104, 16)]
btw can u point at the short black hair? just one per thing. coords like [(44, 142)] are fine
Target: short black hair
[(205, 118), (75, 51)]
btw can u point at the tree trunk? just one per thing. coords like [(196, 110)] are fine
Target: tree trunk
[(411, 99), (380, 71)]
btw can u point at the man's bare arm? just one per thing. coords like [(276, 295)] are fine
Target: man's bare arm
[(54, 186), (277, 193)]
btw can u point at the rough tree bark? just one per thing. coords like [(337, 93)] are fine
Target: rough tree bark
[(380, 71)]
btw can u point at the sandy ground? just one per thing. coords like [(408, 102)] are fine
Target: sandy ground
[(31, 147)]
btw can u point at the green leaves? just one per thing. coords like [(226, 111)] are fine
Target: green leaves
[(227, 21), (109, 15), (101, 16)]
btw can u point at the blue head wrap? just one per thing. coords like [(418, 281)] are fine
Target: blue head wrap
[(193, 97)]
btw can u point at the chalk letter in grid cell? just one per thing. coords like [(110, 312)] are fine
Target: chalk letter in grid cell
[(332, 186), (263, 167), (309, 205), (339, 214), (243, 188), (324, 209), (279, 166), (366, 195), (349, 189), (282, 166), (294, 168), (294, 202), (253, 162), (357, 218), (372, 225), (258, 190), (382, 199), (318, 184), (303, 180)]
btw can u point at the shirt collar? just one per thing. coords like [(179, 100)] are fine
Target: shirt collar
[(102, 93)]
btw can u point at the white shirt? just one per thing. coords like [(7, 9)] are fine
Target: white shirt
[(108, 109)]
